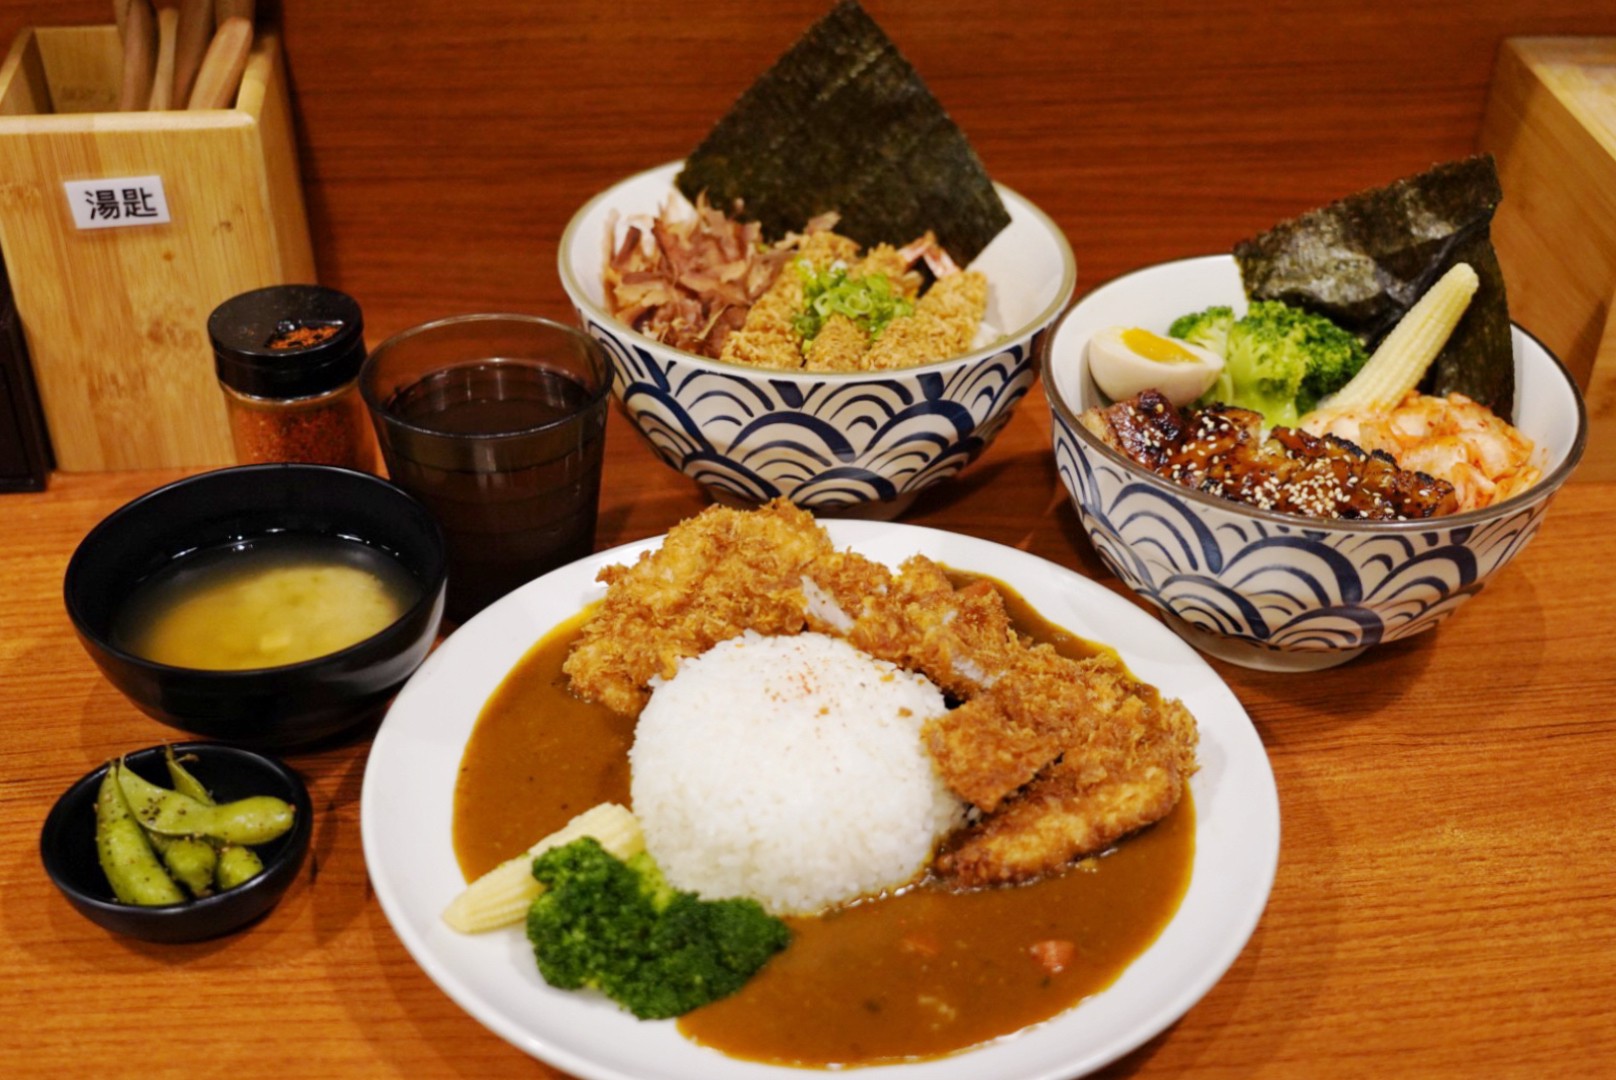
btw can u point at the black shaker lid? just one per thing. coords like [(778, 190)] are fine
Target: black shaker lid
[(287, 341)]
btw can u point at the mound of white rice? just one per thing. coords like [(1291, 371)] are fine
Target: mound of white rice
[(790, 770)]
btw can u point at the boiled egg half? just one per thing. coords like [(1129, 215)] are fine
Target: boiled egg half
[(1125, 360)]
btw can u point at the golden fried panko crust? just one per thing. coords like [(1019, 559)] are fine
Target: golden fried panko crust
[(1048, 703), (767, 338), (1128, 773), (1062, 757), (944, 323), (918, 620), (715, 575), (839, 346)]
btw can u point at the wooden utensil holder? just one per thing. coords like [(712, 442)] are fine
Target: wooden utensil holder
[(116, 318), (1551, 123)]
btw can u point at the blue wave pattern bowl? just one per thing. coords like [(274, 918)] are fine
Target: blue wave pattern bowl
[(1277, 591), (850, 443)]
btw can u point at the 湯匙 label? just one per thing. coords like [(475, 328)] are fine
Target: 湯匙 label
[(116, 203)]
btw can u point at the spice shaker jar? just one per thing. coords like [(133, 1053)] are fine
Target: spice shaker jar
[(288, 358)]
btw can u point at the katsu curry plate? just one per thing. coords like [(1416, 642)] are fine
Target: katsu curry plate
[(768, 794)]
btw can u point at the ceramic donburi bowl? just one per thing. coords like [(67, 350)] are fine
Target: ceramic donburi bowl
[(1270, 590)]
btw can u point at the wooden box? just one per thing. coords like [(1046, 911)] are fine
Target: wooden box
[(116, 318), (1551, 123)]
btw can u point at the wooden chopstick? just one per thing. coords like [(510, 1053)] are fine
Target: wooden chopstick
[(221, 70), (139, 55)]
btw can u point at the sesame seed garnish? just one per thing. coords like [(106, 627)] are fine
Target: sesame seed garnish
[(1222, 452)]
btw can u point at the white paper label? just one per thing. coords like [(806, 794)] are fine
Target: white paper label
[(118, 202)]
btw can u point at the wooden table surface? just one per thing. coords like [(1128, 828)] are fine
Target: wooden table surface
[(1443, 905)]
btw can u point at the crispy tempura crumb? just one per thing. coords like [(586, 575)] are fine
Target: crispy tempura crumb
[(944, 323)]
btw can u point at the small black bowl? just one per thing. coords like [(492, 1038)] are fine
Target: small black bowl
[(276, 707), (67, 846)]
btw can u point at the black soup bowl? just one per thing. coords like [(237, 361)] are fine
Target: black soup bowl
[(274, 707), (67, 846)]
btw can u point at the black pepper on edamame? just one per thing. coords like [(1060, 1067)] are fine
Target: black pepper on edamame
[(126, 856), (236, 866), (256, 819), (191, 861), (149, 837), (183, 781)]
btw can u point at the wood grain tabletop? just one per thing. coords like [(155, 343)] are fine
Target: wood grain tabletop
[(1442, 906), (1445, 904)]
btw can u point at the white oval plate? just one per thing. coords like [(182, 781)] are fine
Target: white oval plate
[(408, 797)]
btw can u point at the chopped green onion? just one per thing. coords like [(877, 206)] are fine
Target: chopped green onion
[(869, 301)]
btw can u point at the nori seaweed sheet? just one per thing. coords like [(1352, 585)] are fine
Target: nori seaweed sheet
[(1365, 259), (843, 122)]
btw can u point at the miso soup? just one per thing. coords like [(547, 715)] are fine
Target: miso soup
[(273, 600)]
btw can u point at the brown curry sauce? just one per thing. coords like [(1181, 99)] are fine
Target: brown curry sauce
[(917, 975)]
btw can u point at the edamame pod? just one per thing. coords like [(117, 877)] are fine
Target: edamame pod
[(256, 819), (237, 865), (183, 781), (204, 861), (126, 857), (136, 791), (191, 860), (147, 800)]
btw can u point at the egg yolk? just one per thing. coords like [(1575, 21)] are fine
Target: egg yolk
[(1157, 348)]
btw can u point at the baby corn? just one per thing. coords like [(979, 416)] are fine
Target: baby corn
[(1404, 355), (502, 896)]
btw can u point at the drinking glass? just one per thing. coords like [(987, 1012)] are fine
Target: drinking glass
[(497, 423)]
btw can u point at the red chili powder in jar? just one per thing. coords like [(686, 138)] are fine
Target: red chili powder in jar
[(331, 429), (288, 358)]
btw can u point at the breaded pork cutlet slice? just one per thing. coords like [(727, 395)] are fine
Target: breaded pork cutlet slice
[(1062, 756), (715, 575), (1129, 773), (1039, 707), (1068, 756), (1023, 705), (916, 619)]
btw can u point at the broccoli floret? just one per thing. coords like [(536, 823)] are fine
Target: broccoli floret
[(1280, 360), (620, 928), (1334, 357), (594, 908), (701, 950), (1208, 329)]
